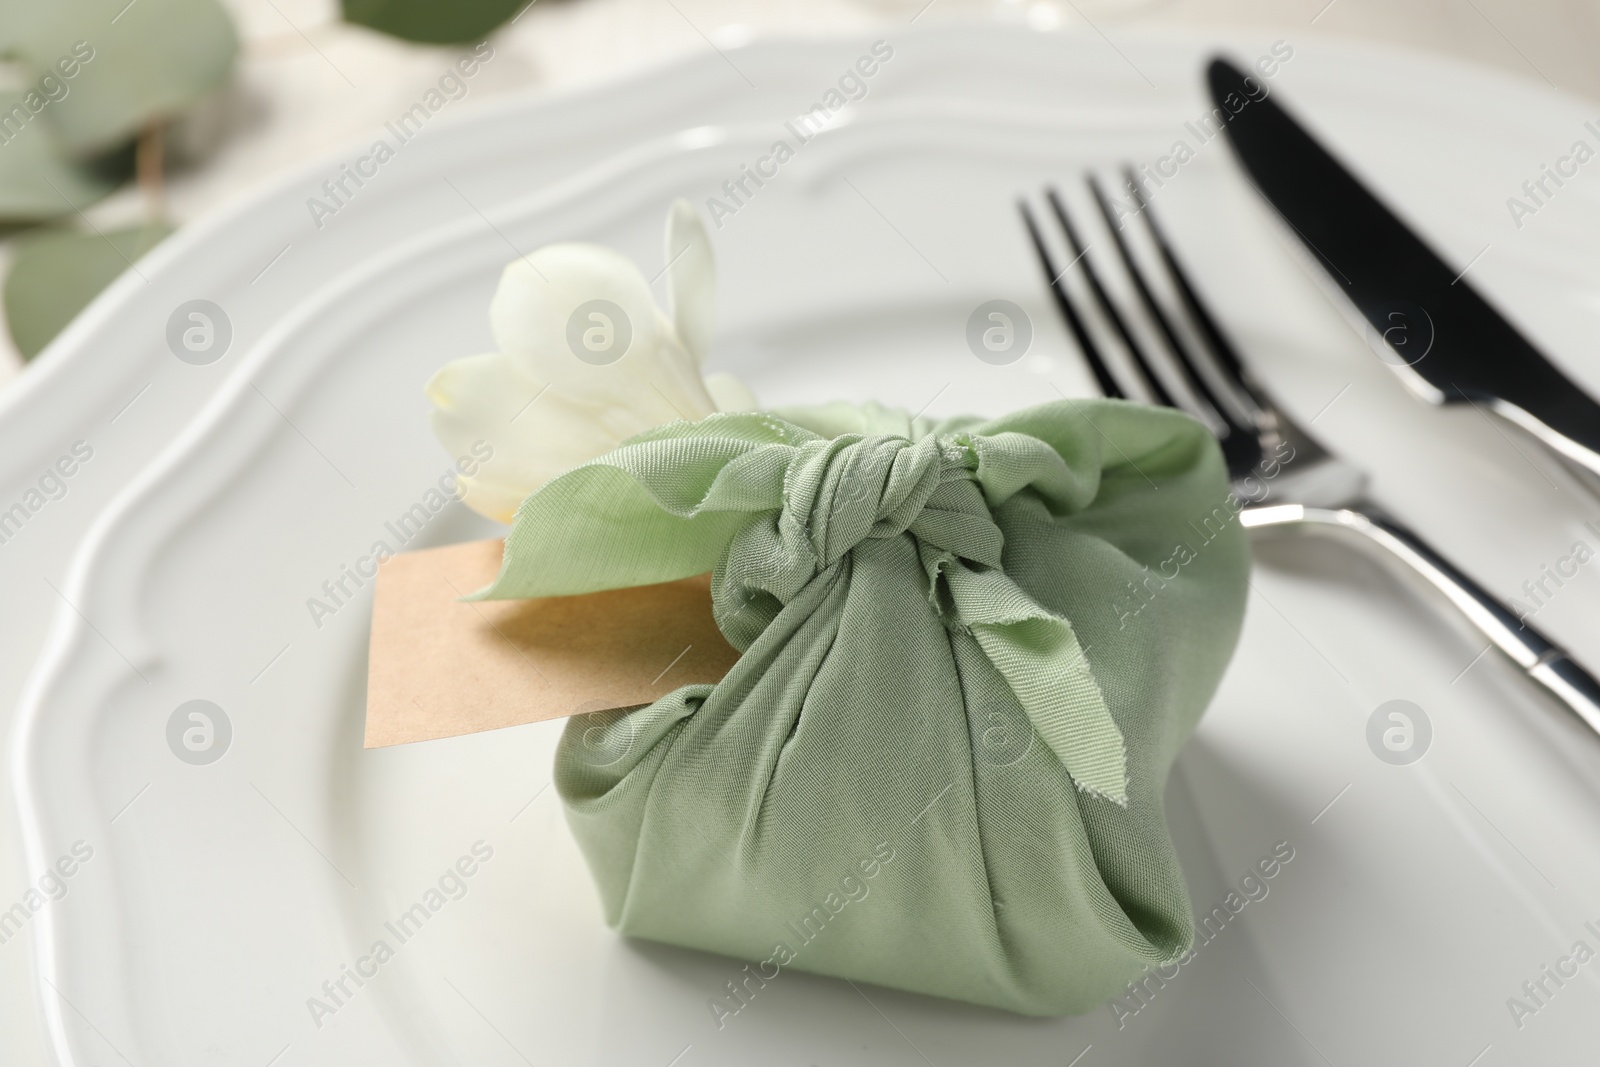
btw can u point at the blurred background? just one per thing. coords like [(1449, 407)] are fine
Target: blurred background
[(98, 165)]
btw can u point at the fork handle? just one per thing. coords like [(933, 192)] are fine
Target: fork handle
[(1541, 659)]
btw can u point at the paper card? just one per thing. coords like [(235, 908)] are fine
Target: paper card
[(439, 667)]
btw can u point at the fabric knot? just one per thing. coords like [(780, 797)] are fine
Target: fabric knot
[(841, 492), (770, 507)]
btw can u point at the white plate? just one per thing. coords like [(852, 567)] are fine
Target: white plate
[(111, 381), (220, 898)]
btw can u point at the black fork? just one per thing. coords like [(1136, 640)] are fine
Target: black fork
[(1241, 427)]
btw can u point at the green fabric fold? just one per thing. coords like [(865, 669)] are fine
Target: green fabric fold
[(965, 643), (686, 491), (1039, 657)]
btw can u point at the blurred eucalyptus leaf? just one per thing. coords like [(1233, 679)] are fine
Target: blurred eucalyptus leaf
[(109, 67), (56, 272), (430, 21), (37, 180)]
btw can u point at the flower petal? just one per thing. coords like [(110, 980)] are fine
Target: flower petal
[(534, 432), (586, 361), (542, 324), (691, 280), (730, 394), (490, 501), (541, 299)]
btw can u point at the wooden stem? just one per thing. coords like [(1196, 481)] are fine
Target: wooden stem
[(149, 164)]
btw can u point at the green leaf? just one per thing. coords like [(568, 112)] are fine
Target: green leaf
[(55, 273), (37, 180), (109, 67), (432, 21)]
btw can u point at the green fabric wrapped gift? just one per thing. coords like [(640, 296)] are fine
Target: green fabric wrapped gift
[(971, 651)]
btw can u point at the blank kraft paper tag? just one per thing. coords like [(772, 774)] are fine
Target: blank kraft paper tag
[(438, 667)]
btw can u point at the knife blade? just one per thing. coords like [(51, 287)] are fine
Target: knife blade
[(1449, 343)]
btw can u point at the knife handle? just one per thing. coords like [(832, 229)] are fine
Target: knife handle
[(1580, 456), (1543, 661)]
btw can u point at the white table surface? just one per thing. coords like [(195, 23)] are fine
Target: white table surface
[(307, 83)]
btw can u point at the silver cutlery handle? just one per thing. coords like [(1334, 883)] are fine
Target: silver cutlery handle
[(1540, 658), (1581, 457)]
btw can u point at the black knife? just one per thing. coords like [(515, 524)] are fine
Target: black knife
[(1449, 343)]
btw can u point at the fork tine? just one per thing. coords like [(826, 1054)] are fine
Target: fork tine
[(1102, 373), (1240, 440), (1151, 381), (1220, 346), (1185, 359)]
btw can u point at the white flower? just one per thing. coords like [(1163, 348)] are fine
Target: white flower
[(570, 382)]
